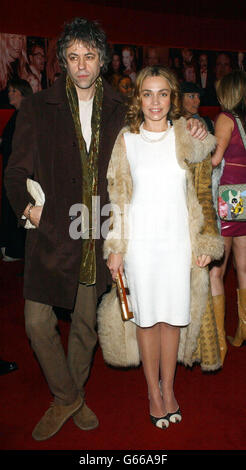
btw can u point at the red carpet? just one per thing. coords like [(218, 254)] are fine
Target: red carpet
[(213, 405)]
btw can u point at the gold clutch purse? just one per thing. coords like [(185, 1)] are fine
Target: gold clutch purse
[(124, 297)]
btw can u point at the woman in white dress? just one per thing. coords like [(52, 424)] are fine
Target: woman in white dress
[(158, 236)]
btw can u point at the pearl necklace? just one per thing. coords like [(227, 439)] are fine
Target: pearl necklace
[(153, 141)]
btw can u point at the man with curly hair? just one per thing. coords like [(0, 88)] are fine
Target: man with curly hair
[(64, 138)]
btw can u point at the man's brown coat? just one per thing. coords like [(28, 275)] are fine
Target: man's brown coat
[(45, 148)]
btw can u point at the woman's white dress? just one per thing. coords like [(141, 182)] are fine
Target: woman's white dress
[(158, 258)]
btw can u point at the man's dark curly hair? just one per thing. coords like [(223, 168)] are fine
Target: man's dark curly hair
[(88, 32)]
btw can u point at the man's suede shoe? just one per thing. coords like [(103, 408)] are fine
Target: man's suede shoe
[(54, 418), (85, 419)]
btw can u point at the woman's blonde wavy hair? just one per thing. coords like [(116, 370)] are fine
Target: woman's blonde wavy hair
[(134, 115), (231, 90), (231, 93)]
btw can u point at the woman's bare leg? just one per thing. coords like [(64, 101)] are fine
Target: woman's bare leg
[(149, 345), (159, 348), (169, 350), (218, 270), (239, 253)]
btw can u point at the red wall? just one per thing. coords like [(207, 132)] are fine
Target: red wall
[(5, 115), (46, 18)]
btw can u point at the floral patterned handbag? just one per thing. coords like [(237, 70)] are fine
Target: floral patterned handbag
[(232, 197), (232, 202)]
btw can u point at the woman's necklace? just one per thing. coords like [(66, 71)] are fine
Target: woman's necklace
[(143, 134)]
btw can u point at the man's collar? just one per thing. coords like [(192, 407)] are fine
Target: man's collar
[(56, 94)]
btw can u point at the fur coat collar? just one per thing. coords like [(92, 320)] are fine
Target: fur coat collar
[(194, 156)]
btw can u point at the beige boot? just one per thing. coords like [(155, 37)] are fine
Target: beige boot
[(219, 312), (240, 335)]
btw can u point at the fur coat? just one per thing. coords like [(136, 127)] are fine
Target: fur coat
[(198, 340)]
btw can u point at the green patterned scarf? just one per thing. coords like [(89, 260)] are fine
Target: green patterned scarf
[(89, 173)]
